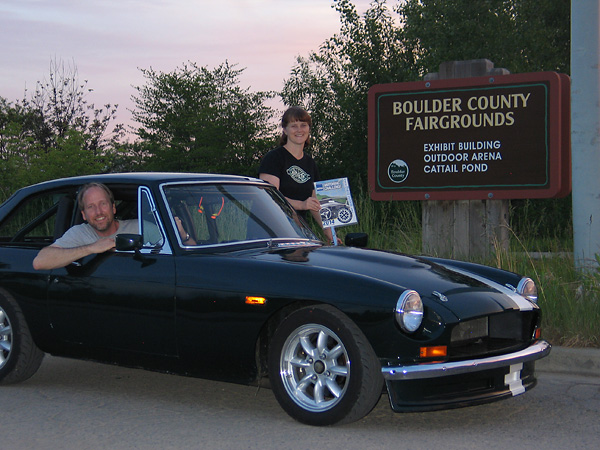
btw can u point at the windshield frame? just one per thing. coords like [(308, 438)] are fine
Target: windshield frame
[(303, 236)]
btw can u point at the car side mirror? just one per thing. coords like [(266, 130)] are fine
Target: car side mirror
[(356, 240), (127, 242)]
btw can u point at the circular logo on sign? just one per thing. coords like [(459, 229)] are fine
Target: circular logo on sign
[(398, 171)]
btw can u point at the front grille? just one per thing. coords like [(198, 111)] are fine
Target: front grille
[(498, 333)]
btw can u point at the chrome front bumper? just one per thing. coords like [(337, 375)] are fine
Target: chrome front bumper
[(535, 351)]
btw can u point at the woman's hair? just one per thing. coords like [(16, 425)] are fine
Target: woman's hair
[(294, 114)]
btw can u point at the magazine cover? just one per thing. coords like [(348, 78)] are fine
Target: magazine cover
[(337, 207)]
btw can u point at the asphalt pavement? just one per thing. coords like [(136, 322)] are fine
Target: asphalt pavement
[(80, 405), (574, 361)]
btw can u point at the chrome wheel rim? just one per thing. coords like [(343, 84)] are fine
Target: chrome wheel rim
[(6, 338), (315, 368)]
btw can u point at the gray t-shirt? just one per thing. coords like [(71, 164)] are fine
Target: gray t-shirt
[(84, 234)]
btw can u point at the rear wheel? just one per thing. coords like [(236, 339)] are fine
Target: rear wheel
[(322, 368), (19, 356)]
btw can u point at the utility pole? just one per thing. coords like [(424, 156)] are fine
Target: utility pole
[(585, 131)]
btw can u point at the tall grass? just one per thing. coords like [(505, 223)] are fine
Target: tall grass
[(394, 226), (570, 299)]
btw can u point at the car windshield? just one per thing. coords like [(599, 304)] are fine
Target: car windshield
[(214, 214)]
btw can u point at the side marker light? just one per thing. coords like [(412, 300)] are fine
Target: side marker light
[(255, 300)]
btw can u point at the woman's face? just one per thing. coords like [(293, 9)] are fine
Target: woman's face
[(297, 132)]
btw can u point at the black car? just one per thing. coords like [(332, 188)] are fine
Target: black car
[(258, 299)]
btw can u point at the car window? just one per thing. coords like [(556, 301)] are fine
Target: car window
[(36, 219), (151, 233), (224, 213)]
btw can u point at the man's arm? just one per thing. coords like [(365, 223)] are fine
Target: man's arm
[(53, 256)]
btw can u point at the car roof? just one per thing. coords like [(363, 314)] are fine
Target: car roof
[(133, 178), (142, 178)]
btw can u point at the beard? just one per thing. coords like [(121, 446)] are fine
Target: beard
[(102, 225)]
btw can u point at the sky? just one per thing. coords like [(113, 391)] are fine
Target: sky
[(109, 41)]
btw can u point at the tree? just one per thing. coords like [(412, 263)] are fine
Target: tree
[(403, 43), (55, 133), (333, 83), (60, 101), (197, 119), (15, 143), (520, 35), (24, 160)]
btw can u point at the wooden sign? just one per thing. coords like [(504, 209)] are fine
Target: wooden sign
[(497, 137)]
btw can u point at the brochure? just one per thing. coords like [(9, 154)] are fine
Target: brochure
[(337, 207)]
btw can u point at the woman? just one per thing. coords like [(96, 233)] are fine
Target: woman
[(291, 170)]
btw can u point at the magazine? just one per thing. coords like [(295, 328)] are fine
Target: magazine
[(337, 207)]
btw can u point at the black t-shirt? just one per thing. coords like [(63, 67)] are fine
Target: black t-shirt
[(296, 176)]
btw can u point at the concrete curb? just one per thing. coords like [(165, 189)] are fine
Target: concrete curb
[(574, 361)]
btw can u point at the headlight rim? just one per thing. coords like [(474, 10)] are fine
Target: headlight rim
[(409, 319), (522, 288)]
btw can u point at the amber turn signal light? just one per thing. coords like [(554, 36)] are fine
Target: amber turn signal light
[(255, 300), (433, 352)]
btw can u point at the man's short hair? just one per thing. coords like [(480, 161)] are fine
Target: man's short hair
[(83, 189)]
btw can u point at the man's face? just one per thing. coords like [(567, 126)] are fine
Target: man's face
[(99, 211)]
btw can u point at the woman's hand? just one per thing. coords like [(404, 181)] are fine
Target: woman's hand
[(312, 204)]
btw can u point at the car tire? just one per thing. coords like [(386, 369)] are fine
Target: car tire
[(322, 369), (20, 358)]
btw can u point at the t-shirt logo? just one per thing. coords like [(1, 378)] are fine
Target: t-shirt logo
[(298, 174)]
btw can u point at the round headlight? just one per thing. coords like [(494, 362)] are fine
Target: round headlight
[(528, 289), (409, 311)]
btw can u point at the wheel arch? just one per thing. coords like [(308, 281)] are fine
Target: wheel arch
[(268, 330), (309, 392), (37, 327), (23, 355)]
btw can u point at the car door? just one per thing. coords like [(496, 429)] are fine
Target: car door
[(119, 300)]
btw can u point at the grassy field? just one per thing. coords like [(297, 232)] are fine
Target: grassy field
[(570, 299)]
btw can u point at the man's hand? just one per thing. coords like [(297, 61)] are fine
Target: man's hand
[(101, 246)]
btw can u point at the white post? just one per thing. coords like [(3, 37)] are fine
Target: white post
[(585, 131)]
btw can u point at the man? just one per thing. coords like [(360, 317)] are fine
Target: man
[(97, 206)]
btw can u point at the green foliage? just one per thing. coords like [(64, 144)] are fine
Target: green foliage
[(61, 107), (403, 43), (520, 35), (543, 223), (197, 119), (570, 300), (333, 83), (55, 133)]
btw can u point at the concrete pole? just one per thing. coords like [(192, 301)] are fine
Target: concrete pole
[(585, 131)]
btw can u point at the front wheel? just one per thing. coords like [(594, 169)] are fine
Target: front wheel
[(19, 356), (322, 368)]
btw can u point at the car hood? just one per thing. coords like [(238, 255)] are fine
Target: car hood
[(464, 293)]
